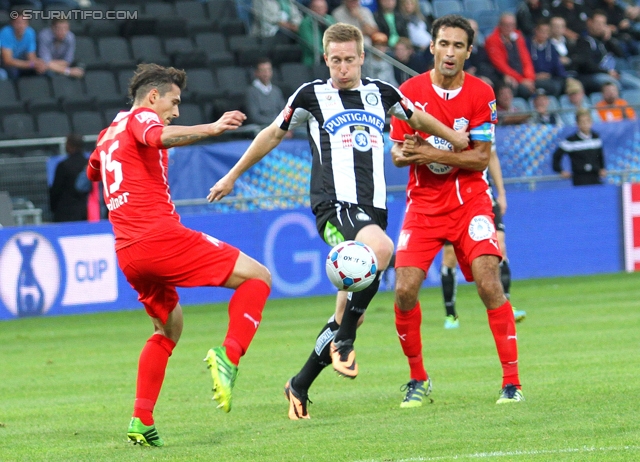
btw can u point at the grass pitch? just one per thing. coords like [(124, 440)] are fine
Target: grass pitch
[(67, 384)]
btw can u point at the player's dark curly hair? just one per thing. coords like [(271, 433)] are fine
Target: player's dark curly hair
[(453, 20), (150, 76)]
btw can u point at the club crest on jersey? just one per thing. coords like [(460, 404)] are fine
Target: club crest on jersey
[(361, 140), (494, 110), (460, 123), (147, 116), (353, 117), (371, 99), (481, 228)]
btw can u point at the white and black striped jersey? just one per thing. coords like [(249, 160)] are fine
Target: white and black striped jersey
[(345, 129)]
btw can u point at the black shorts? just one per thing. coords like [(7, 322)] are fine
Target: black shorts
[(339, 221)]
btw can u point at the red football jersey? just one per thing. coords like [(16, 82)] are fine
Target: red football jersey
[(134, 177), (436, 188)]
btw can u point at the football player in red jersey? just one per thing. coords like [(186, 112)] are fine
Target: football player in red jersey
[(448, 200), (156, 252)]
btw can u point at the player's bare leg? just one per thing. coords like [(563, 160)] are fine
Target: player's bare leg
[(343, 356), (408, 316), (252, 283), (151, 371), (486, 273)]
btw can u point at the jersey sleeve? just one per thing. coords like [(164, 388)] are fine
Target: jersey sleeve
[(296, 112), (93, 166), (485, 115), (399, 125), (145, 126)]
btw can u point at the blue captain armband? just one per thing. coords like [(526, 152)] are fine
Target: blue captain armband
[(481, 132)]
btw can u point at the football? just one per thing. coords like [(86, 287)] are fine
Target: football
[(351, 266)]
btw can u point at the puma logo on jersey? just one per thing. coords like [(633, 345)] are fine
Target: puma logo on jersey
[(421, 106)]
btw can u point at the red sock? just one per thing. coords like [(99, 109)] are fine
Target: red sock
[(408, 328), (503, 327), (151, 369), (245, 313)]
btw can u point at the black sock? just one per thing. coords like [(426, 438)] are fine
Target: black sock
[(319, 358), (356, 306), (505, 277), (449, 280)]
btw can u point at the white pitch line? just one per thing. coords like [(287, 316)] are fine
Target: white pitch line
[(485, 455)]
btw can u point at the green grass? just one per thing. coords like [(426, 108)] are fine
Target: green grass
[(67, 384)]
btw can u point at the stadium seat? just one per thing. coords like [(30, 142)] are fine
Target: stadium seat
[(71, 94), (171, 27), (36, 92), (487, 20), (221, 10), (53, 123), (86, 55), (202, 85), (293, 75), (595, 97), (190, 114), (197, 17), (320, 71), (242, 42), (215, 46), (231, 27), (114, 51), (124, 76), (507, 5), (148, 49), (9, 103), (521, 104), (632, 96), (286, 54), (471, 6), (87, 122), (183, 53), (444, 7), (102, 29), (110, 113), (159, 10), (102, 86), (232, 80), (19, 126)]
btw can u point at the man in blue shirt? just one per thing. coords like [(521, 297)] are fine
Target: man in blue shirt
[(18, 48), (550, 73), (57, 47)]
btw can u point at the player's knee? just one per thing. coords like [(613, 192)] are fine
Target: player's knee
[(406, 295), (490, 291), (264, 274), (384, 252)]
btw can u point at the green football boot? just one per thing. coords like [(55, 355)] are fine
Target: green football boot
[(223, 373), (143, 435)]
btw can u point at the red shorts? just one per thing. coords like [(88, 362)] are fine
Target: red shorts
[(179, 257), (469, 228)]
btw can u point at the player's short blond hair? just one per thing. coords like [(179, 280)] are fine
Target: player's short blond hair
[(582, 112), (342, 33)]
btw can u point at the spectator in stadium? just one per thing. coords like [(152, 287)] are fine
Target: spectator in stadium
[(263, 100), (577, 98), (376, 67), (57, 46), (584, 149), (508, 113), (416, 24), (344, 155), (595, 57), (557, 28), (156, 252), (611, 107), (550, 73), (508, 52), (541, 114), (529, 13), (390, 21), (18, 48), (66, 201), (575, 14), (352, 12), (478, 63), (311, 37), (406, 54), (276, 18), (620, 25)]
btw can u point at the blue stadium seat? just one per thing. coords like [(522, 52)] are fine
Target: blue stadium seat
[(471, 6), (595, 97), (487, 20), (632, 96), (521, 104), (507, 5), (444, 7)]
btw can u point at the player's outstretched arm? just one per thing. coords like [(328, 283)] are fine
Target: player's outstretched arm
[(179, 135), (267, 139), (426, 123), (417, 151)]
